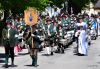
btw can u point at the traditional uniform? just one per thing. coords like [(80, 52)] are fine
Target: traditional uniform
[(49, 35), (35, 39), (60, 32), (34, 53), (9, 42)]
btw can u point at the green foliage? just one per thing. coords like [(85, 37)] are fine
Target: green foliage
[(38, 4), (82, 3), (57, 2), (79, 3), (21, 5), (94, 1)]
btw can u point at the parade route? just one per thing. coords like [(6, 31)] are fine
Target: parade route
[(49, 34), (59, 61)]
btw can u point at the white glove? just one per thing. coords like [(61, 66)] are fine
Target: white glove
[(32, 35), (16, 35), (65, 36)]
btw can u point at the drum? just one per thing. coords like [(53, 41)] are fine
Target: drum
[(46, 42), (63, 41), (93, 34), (42, 38), (69, 37)]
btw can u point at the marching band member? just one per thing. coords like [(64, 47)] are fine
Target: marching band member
[(34, 51), (49, 34), (76, 38), (9, 42), (34, 45), (55, 29), (60, 36)]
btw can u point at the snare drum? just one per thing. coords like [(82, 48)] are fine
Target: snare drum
[(42, 38), (63, 41)]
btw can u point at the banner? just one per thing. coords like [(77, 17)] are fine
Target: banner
[(31, 16)]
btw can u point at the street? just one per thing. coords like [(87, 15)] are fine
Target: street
[(50, 27), (59, 61)]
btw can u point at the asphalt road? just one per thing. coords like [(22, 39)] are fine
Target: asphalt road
[(59, 61)]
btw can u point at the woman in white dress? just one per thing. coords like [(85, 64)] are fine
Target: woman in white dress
[(83, 43)]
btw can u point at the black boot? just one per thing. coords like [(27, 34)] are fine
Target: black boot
[(51, 53), (5, 66), (33, 61)]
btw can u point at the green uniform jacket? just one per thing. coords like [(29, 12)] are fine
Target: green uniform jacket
[(50, 30), (64, 22), (12, 39), (36, 40)]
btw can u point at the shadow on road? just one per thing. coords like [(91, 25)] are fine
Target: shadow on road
[(10, 66), (23, 53), (45, 55), (13, 66), (31, 65)]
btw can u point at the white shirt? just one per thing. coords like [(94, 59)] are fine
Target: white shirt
[(48, 29), (60, 32), (59, 22), (8, 33), (20, 35), (54, 29)]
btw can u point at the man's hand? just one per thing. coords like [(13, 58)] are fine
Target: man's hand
[(32, 35), (16, 35)]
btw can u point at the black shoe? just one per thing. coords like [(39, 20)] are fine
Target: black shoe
[(80, 54), (6, 66), (47, 54), (51, 53), (35, 65), (12, 65), (76, 54), (63, 51)]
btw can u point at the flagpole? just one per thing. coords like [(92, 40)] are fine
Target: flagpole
[(32, 37)]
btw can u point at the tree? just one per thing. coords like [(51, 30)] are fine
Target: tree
[(57, 3), (78, 5)]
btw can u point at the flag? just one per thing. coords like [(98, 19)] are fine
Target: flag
[(31, 16)]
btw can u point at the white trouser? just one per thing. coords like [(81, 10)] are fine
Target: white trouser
[(48, 50)]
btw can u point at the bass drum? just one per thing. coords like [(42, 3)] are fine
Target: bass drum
[(63, 41), (93, 37)]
